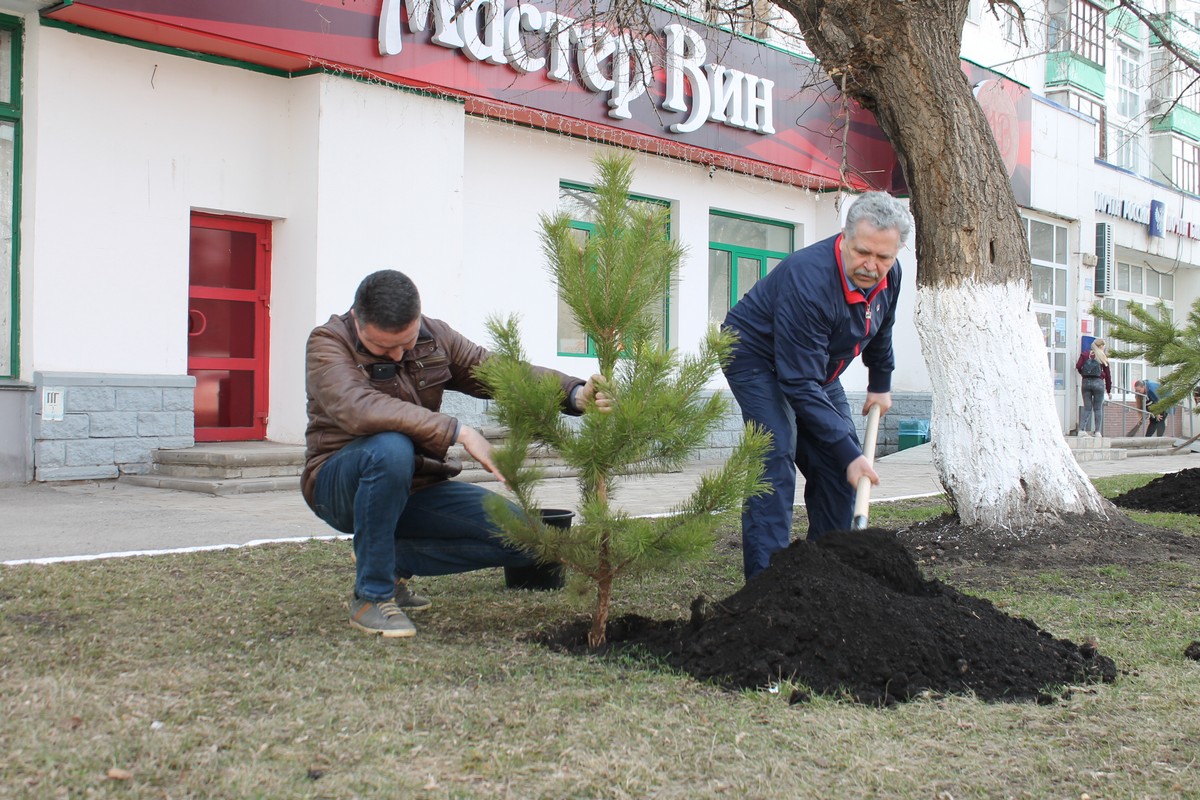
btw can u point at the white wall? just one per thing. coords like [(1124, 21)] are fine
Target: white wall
[(384, 171), (513, 174), (123, 143), (120, 144)]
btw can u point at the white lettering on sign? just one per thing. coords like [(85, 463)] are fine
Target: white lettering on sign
[(616, 64), (1140, 212)]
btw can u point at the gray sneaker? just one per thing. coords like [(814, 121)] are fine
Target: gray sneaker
[(384, 618), (409, 600), (406, 598)]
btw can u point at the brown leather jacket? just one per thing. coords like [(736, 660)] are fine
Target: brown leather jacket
[(344, 403)]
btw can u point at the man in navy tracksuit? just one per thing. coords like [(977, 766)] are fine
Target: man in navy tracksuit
[(798, 329)]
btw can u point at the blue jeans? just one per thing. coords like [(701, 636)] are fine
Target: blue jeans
[(366, 489), (828, 496)]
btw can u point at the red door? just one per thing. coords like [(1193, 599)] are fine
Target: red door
[(228, 301)]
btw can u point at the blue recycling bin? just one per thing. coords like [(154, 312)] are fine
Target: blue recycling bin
[(913, 432)]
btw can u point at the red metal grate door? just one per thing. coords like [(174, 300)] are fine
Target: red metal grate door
[(228, 305)]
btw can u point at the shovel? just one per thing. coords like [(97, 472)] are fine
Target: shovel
[(862, 499)]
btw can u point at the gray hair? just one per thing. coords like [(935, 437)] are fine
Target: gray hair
[(881, 211)]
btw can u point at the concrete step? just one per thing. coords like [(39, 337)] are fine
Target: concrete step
[(225, 468), (1137, 446)]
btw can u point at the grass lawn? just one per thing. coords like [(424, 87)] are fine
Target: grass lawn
[(234, 674)]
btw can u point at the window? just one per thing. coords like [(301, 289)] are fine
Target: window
[(1125, 148), (1129, 80), (741, 250), (579, 204), (1010, 24), (1185, 165), (1088, 31), (1143, 286), (1187, 89), (1048, 253), (10, 141), (1089, 107), (750, 17), (1076, 26)]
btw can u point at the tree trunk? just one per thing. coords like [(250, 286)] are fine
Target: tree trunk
[(598, 635), (997, 443)]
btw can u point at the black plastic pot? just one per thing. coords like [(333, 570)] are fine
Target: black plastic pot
[(541, 577)]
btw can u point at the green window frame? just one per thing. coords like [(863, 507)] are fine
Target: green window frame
[(741, 251), (11, 35), (573, 199)]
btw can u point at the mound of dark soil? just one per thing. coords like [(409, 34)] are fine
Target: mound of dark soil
[(852, 614), (1177, 492)]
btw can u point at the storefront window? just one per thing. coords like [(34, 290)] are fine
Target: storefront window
[(579, 203), (1145, 287), (741, 251), (10, 117), (1048, 248)]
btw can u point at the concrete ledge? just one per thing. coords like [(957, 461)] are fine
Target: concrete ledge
[(235, 454), (215, 487), (80, 473), (108, 379)]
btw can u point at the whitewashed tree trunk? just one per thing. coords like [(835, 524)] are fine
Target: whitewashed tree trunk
[(996, 440)]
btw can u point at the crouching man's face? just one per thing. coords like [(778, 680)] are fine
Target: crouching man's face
[(388, 344)]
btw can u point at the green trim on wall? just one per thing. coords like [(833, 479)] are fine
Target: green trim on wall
[(1070, 69), (50, 22), (11, 112), (239, 64)]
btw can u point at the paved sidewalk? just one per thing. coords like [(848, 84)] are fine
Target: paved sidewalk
[(43, 521)]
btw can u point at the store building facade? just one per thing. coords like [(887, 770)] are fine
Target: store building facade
[(196, 185)]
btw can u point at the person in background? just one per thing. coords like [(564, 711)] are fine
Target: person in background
[(1156, 424), (798, 329), (376, 460), (1097, 384)]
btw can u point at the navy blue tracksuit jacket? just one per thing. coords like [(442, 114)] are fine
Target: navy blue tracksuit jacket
[(804, 319)]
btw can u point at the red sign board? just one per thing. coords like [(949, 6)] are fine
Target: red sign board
[(680, 88)]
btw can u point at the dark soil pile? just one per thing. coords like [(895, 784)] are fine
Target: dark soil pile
[(852, 614), (1177, 492)]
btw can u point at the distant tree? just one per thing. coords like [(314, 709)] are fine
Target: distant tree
[(615, 282), (1157, 339)]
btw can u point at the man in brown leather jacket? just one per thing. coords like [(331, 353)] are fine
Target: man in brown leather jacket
[(376, 463)]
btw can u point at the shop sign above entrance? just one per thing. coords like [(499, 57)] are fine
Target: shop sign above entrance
[(1153, 215), (668, 84), (618, 64)]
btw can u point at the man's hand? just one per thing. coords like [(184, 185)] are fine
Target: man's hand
[(479, 449), (881, 399), (858, 469), (591, 393)]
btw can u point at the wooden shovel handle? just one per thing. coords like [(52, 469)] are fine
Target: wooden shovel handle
[(862, 499)]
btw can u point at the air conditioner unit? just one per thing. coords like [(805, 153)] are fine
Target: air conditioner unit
[(1105, 256)]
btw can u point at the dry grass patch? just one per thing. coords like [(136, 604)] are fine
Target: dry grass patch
[(234, 674)]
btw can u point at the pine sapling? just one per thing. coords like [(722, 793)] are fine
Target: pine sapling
[(615, 283)]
